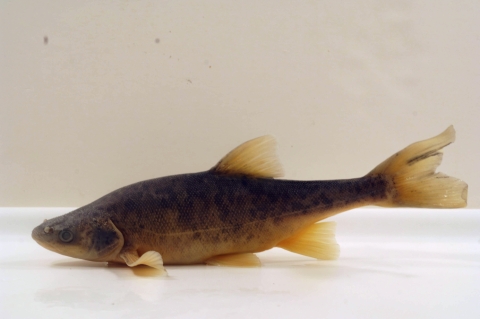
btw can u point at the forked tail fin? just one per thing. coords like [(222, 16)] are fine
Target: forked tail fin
[(413, 180)]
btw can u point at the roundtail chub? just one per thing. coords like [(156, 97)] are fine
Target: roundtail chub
[(225, 215)]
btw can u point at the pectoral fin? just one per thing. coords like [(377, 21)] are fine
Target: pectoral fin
[(150, 258), (317, 241), (235, 260)]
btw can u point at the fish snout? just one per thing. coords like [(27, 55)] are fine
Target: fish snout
[(42, 234), (37, 232)]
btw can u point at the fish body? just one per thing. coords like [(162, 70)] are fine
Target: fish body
[(224, 215)]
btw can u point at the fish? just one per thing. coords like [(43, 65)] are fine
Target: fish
[(240, 207)]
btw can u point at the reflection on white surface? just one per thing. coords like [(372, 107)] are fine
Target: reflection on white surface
[(393, 264)]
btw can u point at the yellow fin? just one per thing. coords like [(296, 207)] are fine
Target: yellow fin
[(317, 241), (235, 260), (412, 171), (150, 258), (256, 158)]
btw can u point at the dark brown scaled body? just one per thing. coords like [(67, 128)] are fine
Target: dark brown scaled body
[(193, 217)]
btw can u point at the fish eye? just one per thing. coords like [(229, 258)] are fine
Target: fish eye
[(66, 236)]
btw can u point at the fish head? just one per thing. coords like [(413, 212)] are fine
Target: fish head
[(79, 235)]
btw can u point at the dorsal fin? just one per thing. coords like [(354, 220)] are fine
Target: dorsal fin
[(255, 158)]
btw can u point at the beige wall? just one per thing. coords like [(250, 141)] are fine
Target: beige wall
[(128, 90)]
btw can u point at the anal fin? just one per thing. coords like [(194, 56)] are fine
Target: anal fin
[(317, 241), (235, 260), (150, 258)]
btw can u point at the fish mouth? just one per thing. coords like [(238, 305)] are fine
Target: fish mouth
[(36, 233), (39, 235)]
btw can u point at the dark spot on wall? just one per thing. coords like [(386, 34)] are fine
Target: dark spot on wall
[(45, 40), (157, 40)]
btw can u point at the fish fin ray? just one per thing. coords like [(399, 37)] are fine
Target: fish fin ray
[(414, 180), (150, 258), (316, 241), (235, 260), (255, 158)]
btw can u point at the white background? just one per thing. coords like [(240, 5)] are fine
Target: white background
[(95, 95)]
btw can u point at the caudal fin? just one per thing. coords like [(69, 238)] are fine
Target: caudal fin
[(413, 179)]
